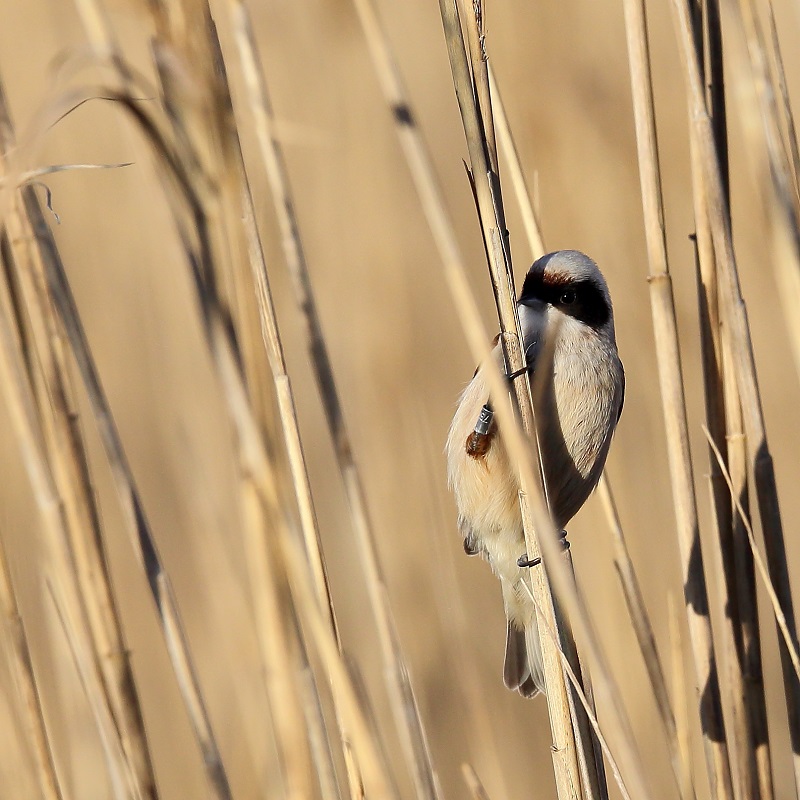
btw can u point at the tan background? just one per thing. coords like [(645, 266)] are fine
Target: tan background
[(400, 361)]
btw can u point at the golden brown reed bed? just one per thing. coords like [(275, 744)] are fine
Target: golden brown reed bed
[(205, 406)]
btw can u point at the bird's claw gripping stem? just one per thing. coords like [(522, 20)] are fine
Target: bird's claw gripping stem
[(523, 561)]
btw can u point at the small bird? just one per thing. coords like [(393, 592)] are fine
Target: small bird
[(577, 405)]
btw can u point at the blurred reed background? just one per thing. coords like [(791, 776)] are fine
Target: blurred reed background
[(399, 357)]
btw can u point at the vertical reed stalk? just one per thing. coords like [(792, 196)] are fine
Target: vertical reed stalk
[(674, 406), (22, 667), (486, 185), (647, 642), (401, 694), (594, 778), (424, 177), (63, 440), (739, 634), (737, 334), (142, 538)]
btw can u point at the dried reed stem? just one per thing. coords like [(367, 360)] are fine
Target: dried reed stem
[(674, 405), (775, 167), (680, 692), (25, 424), (269, 342), (22, 668), (376, 776), (142, 539), (430, 195), (66, 452), (401, 694), (784, 108), (594, 779), (530, 220), (487, 190), (777, 610), (647, 641), (743, 690), (253, 461), (121, 777), (473, 782), (737, 333)]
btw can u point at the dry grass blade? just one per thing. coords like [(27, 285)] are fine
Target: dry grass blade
[(738, 336), (254, 463), (407, 717), (674, 405), (22, 667), (21, 407), (268, 341), (646, 639)]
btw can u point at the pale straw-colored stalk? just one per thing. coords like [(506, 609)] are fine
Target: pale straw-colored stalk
[(647, 641), (274, 636), (595, 778), (66, 452), (473, 782), (28, 687), (141, 536), (255, 280), (486, 187), (742, 686), (674, 406), (740, 636), (508, 147), (780, 617), (426, 184), (774, 165), (254, 463), (680, 691), (123, 786), (737, 334), (403, 702), (21, 406)]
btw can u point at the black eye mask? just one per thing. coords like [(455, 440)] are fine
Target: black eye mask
[(581, 299)]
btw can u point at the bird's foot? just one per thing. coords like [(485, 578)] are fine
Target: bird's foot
[(523, 561)]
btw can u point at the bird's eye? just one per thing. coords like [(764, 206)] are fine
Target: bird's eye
[(568, 297)]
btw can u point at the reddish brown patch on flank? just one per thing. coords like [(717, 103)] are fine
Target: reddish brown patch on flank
[(478, 444), (496, 339)]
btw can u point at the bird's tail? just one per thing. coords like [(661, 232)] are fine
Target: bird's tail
[(523, 670)]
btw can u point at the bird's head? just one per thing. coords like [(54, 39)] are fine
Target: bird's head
[(568, 282)]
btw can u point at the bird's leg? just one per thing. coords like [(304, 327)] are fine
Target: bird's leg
[(524, 561)]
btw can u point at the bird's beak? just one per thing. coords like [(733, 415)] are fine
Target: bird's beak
[(532, 320), (533, 303)]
